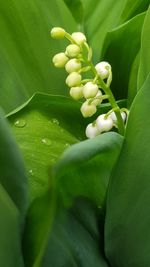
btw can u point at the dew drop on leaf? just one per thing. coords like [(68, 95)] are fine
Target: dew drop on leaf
[(20, 123), (46, 141), (67, 145), (55, 121)]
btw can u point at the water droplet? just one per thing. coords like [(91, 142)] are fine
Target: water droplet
[(31, 172), (62, 130), (67, 145), (55, 121), (99, 207), (46, 141), (20, 123)]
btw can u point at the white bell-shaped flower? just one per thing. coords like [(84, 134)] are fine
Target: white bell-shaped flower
[(60, 60), (76, 92), (103, 69), (72, 50), (87, 109), (90, 90), (97, 101), (58, 33), (104, 124), (114, 118), (78, 37), (91, 130), (73, 79), (73, 65)]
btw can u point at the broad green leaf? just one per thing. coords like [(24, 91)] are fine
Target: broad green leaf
[(120, 49), (144, 68), (100, 17), (76, 9), (43, 129), (12, 172), (26, 49), (84, 169), (77, 237), (132, 8), (133, 80), (10, 241), (127, 231)]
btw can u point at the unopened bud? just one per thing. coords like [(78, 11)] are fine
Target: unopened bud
[(91, 131), (73, 79), (73, 65), (87, 109), (72, 50), (58, 33), (60, 60), (103, 69), (76, 92), (78, 37), (90, 90), (104, 124)]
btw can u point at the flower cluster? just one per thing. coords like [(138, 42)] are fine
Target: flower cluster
[(76, 60)]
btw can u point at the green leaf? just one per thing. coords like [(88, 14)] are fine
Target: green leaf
[(132, 8), (144, 68), (127, 231), (133, 80), (43, 129), (84, 169), (26, 49), (76, 9), (120, 49), (12, 172), (10, 242), (76, 239), (100, 17)]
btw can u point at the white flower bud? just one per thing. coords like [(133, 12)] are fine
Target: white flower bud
[(73, 65), (87, 109), (76, 92), (91, 131), (97, 101), (58, 33), (104, 125), (72, 50), (114, 118), (78, 37), (73, 79), (103, 69), (60, 60), (90, 90)]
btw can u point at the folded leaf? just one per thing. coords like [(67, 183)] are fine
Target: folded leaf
[(127, 231), (12, 172), (84, 169), (120, 49), (77, 238), (144, 68), (10, 241)]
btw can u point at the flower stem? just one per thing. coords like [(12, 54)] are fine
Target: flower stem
[(111, 98)]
